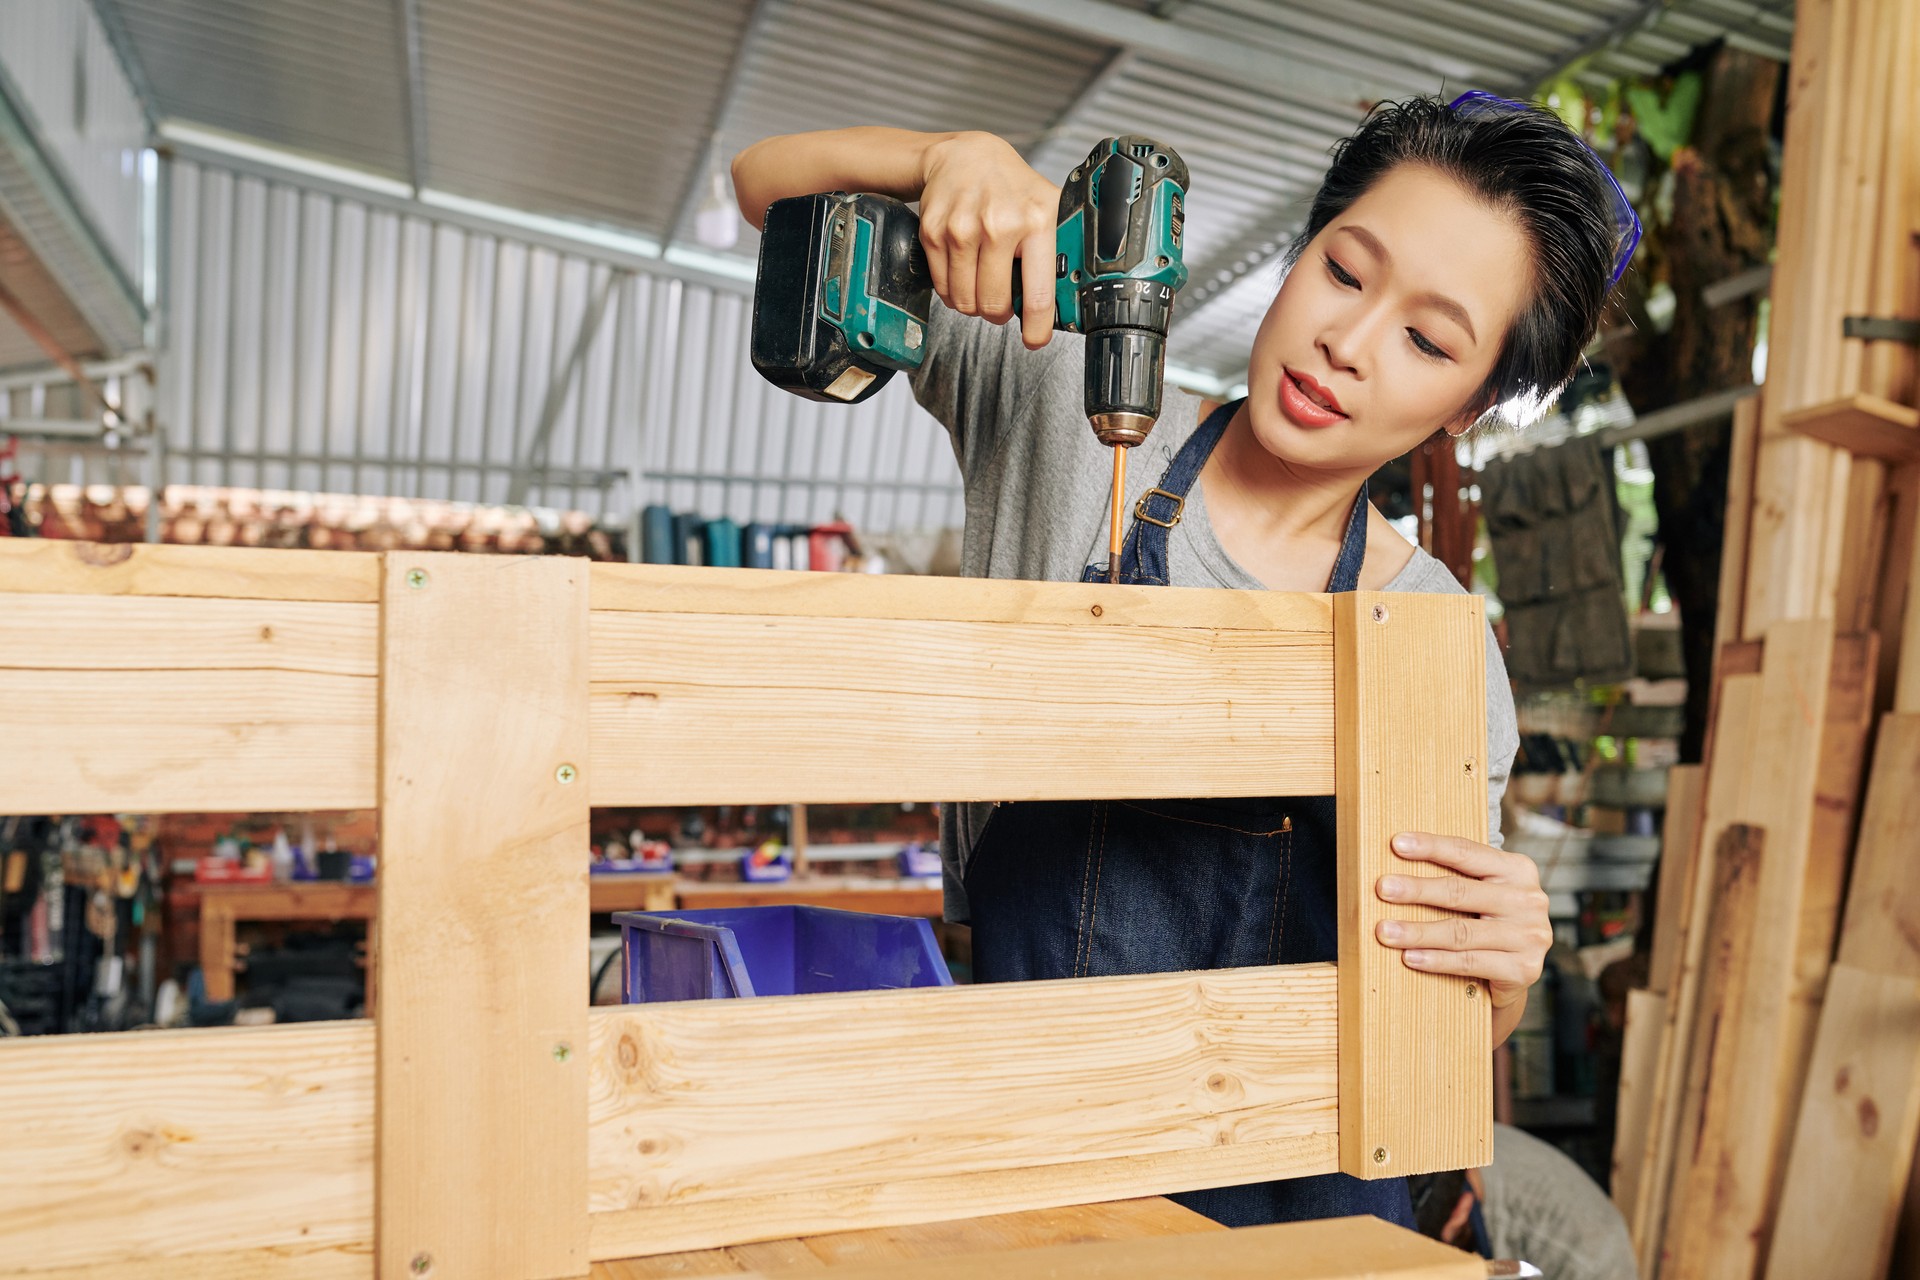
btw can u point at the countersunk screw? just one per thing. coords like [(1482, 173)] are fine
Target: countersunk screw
[(417, 579), (422, 1262), (1379, 1155), (1473, 990), (566, 773), (562, 1051), (1379, 613)]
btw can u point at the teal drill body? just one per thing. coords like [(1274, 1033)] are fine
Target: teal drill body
[(844, 296)]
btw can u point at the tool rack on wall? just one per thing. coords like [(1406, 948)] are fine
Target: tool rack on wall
[(488, 1123)]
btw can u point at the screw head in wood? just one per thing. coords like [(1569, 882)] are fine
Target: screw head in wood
[(421, 1264), (417, 579), (562, 1051), (1379, 1155), (1379, 613), (1473, 990), (566, 773)]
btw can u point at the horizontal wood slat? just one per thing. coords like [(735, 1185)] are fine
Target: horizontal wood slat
[(214, 1141), (153, 704), (709, 708), (645, 588), (191, 1144), (143, 569)]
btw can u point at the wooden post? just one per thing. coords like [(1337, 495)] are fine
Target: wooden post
[(1410, 743), (481, 1066)]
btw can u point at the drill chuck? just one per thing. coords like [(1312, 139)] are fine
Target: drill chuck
[(1126, 326)]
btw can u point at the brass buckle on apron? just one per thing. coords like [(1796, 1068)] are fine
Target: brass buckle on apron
[(1140, 508)]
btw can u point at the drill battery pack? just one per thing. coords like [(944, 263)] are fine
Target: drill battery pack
[(843, 295)]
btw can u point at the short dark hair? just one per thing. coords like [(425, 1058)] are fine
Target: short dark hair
[(1529, 164)]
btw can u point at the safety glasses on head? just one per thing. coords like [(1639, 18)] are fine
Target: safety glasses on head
[(1626, 223)]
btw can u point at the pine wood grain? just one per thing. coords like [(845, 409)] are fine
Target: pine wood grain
[(481, 1083), (1854, 1143), (870, 709), (1034, 1228), (1679, 838), (205, 1144), (974, 1079), (1737, 527), (1730, 740), (1330, 1249), (1695, 1220), (1881, 932), (1416, 1049), (140, 569), (1639, 1062), (1862, 424), (688, 589)]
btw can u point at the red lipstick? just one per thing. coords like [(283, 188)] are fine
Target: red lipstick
[(1306, 403)]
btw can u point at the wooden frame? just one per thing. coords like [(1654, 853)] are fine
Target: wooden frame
[(487, 1124)]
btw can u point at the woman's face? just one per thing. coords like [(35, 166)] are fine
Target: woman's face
[(1387, 326)]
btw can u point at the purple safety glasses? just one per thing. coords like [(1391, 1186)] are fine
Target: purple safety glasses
[(1626, 223)]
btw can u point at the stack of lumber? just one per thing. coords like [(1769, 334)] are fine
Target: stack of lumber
[(1770, 1080)]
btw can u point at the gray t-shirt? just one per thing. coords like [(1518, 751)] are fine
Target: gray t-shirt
[(1037, 486), (1542, 1207)]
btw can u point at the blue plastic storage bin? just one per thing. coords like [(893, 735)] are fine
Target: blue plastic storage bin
[(773, 951)]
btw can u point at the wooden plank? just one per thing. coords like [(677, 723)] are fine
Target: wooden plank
[(1416, 1049), (1691, 1247), (1639, 1061), (1888, 366), (141, 569), (1906, 694), (1801, 786), (871, 709), (977, 1079), (1736, 703), (127, 703), (1882, 928), (185, 741), (631, 1232), (1898, 566), (1737, 527), (1329, 1249), (1862, 424), (1854, 1143), (680, 589), (481, 1088), (1679, 838), (243, 1144), (1117, 1220)]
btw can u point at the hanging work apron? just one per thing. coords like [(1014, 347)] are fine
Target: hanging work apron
[(1074, 889)]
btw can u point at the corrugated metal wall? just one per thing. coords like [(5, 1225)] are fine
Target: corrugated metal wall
[(319, 343), (84, 111)]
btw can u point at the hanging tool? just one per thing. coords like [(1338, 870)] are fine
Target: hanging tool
[(843, 294)]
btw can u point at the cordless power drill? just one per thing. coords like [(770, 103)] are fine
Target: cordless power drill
[(843, 294)]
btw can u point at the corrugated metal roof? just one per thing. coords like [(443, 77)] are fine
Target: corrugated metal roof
[(319, 76), (612, 113)]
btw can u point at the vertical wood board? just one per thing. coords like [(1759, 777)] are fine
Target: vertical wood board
[(1854, 1143), (1639, 1060), (1882, 929), (481, 1069), (1416, 1051)]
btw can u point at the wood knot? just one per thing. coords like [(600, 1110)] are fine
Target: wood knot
[(647, 1146), (103, 555), (266, 633), (1841, 1079), (1098, 611), (1869, 1118)]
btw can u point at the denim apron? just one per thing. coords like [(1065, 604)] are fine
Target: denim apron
[(1074, 889)]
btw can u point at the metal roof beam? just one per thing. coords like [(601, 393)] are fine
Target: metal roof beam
[(1195, 50), (722, 108), (108, 15), (413, 94)]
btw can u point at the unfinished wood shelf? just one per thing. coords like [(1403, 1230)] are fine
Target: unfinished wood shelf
[(488, 1124), (1866, 426)]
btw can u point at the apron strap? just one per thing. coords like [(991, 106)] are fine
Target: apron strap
[(1143, 559)]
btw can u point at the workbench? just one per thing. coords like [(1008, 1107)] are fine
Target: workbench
[(489, 1125), (223, 906)]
